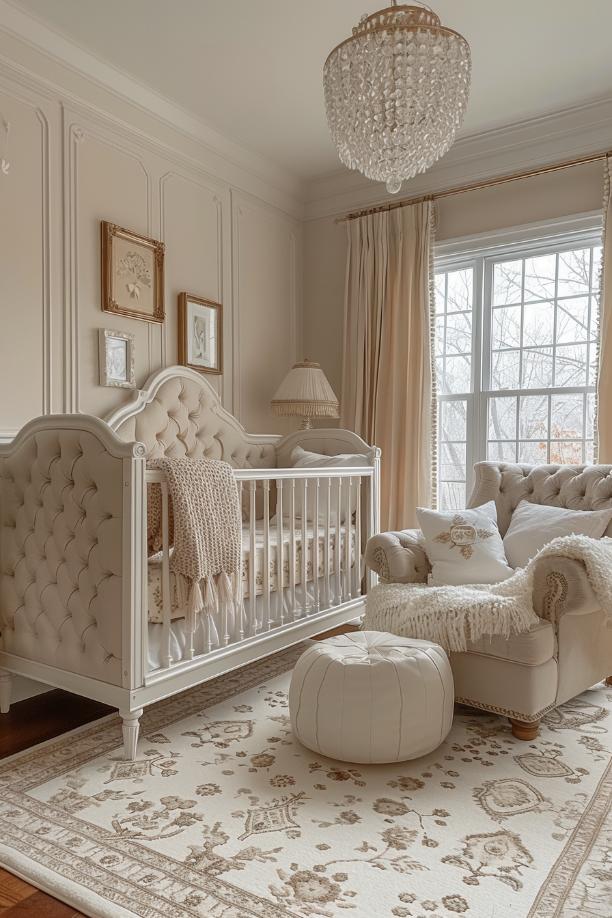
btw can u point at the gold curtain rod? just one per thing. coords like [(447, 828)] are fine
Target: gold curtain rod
[(475, 186)]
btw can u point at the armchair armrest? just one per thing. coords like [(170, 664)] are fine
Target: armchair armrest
[(398, 557), (561, 587)]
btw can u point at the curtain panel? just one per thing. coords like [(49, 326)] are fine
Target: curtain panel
[(604, 378), (388, 385)]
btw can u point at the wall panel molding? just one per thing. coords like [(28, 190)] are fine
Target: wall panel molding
[(23, 94)]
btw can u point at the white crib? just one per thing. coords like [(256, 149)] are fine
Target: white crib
[(83, 607)]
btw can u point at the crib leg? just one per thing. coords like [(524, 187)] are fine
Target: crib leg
[(130, 728), (6, 681)]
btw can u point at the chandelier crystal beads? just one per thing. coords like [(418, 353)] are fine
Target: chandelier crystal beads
[(396, 93)]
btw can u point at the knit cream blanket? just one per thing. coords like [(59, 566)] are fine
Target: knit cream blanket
[(206, 532), (453, 616)]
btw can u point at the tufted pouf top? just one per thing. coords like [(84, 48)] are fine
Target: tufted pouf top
[(372, 697)]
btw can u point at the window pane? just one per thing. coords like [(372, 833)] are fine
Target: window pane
[(594, 326), (571, 365), (533, 452), (459, 333), (538, 324), (460, 289), (452, 462), (573, 320), (540, 277), (440, 292), (453, 420), (574, 272), (502, 418), (452, 496), (506, 327), (537, 368), (566, 422), (566, 452), (505, 369), (457, 375), (501, 452), (533, 417), (507, 282)]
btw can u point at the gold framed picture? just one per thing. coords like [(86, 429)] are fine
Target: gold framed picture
[(200, 333), (132, 274)]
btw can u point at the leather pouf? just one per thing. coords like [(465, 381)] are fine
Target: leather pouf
[(372, 697)]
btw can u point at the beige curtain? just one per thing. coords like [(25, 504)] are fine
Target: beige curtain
[(388, 391), (604, 382)]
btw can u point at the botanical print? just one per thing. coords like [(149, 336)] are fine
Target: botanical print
[(224, 815), (463, 535), (133, 280), (134, 273)]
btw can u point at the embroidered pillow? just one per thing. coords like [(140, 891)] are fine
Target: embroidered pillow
[(534, 525), (464, 546)]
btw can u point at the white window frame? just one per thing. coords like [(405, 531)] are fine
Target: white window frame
[(479, 252)]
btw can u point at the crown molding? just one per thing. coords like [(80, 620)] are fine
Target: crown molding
[(31, 31), (576, 131)]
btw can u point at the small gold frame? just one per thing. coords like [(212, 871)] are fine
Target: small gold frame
[(146, 255), (186, 355)]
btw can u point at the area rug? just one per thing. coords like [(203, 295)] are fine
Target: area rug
[(225, 815)]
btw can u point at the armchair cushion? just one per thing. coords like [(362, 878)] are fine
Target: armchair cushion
[(398, 557), (533, 525)]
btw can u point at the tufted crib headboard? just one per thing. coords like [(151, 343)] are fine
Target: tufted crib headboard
[(577, 487), (178, 413)]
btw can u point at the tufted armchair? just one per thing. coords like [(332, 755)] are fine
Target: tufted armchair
[(570, 648)]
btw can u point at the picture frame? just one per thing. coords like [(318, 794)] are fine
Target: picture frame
[(200, 333), (116, 356), (132, 274)]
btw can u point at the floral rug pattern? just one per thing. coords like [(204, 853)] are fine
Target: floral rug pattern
[(225, 815)]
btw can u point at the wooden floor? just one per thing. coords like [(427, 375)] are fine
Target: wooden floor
[(28, 723)]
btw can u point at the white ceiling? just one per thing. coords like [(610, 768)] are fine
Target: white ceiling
[(252, 68)]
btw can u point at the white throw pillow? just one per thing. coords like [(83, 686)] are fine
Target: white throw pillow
[(464, 546), (534, 525), (303, 459)]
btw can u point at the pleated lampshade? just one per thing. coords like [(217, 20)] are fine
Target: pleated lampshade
[(306, 393)]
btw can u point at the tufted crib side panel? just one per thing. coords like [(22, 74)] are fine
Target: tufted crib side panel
[(576, 487), (65, 575)]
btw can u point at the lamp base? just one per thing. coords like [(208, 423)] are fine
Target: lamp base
[(306, 424)]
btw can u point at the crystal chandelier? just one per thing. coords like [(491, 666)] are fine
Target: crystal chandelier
[(396, 93)]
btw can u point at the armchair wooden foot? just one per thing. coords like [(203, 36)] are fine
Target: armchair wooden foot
[(523, 730), (608, 681)]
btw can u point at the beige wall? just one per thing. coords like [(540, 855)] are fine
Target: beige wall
[(75, 162), (545, 197)]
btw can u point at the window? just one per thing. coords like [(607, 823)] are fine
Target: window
[(515, 357)]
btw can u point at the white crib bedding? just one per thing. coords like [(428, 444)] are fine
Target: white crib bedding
[(155, 565), (303, 603)]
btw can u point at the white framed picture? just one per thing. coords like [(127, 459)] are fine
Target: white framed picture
[(116, 354), (200, 333)]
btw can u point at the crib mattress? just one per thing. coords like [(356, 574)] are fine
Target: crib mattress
[(155, 565)]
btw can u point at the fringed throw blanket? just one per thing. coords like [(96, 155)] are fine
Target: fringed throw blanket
[(454, 616), (207, 524)]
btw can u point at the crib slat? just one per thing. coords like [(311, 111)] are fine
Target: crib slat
[(304, 571), (292, 546), (357, 564), (252, 558), (338, 553), (348, 528), (280, 536), (166, 601), (315, 545), (266, 550), (241, 623), (326, 552)]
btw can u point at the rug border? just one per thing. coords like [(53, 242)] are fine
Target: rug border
[(75, 895)]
